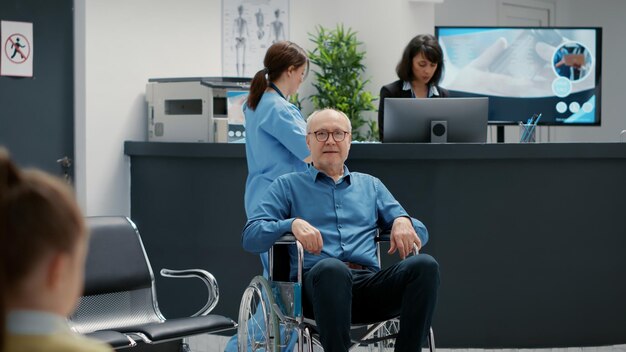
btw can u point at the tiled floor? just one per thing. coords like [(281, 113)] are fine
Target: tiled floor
[(208, 343)]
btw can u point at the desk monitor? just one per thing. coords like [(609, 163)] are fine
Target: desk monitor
[(408, 120)]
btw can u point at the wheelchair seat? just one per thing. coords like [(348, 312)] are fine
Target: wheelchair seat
[(119, 303), (271, 317)]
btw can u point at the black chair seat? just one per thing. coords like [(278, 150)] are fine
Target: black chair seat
[(181, 327), (113, 338)]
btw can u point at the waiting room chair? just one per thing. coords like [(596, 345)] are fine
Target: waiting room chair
[(119, 303)]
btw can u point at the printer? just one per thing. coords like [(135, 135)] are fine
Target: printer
[(191, 109)]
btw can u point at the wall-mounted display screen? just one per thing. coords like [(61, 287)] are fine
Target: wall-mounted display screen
[(554, 71)]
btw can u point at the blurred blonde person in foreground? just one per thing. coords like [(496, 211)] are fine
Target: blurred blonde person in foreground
[(43, 244)]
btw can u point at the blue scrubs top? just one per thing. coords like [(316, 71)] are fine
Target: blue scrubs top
[(275, 144)]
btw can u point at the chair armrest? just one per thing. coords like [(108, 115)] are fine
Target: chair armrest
[(114, 338), (207, 278)]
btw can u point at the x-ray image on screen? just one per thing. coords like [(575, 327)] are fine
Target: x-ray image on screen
[(524, 70)]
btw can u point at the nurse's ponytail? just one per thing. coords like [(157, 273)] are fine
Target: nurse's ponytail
[(278, 58)]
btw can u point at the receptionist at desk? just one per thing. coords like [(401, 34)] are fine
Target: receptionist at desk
[(419, 72)]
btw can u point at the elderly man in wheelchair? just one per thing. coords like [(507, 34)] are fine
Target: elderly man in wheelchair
[(334, 215)]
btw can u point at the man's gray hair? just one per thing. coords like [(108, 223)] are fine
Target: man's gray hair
[(315, 113)]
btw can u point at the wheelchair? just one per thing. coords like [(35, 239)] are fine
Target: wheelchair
[(271, 317)]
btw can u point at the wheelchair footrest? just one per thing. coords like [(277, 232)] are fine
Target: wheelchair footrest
[(372, 340)]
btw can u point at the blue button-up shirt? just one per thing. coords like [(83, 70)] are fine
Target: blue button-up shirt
[(347, 213)]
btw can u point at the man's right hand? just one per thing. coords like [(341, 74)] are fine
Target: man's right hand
[(308, 235)]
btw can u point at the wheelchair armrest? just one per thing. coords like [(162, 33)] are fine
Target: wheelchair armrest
[(385, 236), (207, 278), (287, 238)]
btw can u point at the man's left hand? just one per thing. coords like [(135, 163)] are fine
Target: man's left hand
[(403, 236)]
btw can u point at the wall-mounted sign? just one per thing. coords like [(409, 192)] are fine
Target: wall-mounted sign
[(17, 49)]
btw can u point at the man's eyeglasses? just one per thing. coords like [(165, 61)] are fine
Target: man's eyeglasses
[(322, 136)]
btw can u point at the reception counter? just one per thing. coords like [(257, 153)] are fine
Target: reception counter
[(530, 238)]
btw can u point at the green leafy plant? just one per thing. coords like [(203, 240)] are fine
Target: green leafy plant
[(338, 78), (295, 100)]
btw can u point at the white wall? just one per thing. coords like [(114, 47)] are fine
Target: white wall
[(608, 14), (384, 27), (126, 43), (120, 44), (467, 13)]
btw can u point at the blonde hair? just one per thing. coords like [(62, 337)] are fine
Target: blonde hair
[(38, 215)]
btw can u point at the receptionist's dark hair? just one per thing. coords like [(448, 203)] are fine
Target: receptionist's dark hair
[(429, 46)]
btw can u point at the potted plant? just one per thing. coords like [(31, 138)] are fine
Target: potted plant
[(338, 78)]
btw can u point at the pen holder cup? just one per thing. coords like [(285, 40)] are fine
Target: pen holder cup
[(527, 133)]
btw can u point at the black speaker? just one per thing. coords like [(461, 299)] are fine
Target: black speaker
[(438, 131)]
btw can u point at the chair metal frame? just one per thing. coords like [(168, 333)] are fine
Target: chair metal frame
[(274, 315), (123, 317)]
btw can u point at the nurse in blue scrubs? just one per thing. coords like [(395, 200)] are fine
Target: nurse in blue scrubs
[(275, 128)]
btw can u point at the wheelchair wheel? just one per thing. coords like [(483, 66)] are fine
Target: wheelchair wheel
[(258, 325)]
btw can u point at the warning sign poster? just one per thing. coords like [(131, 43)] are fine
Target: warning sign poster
[(17, 49)]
